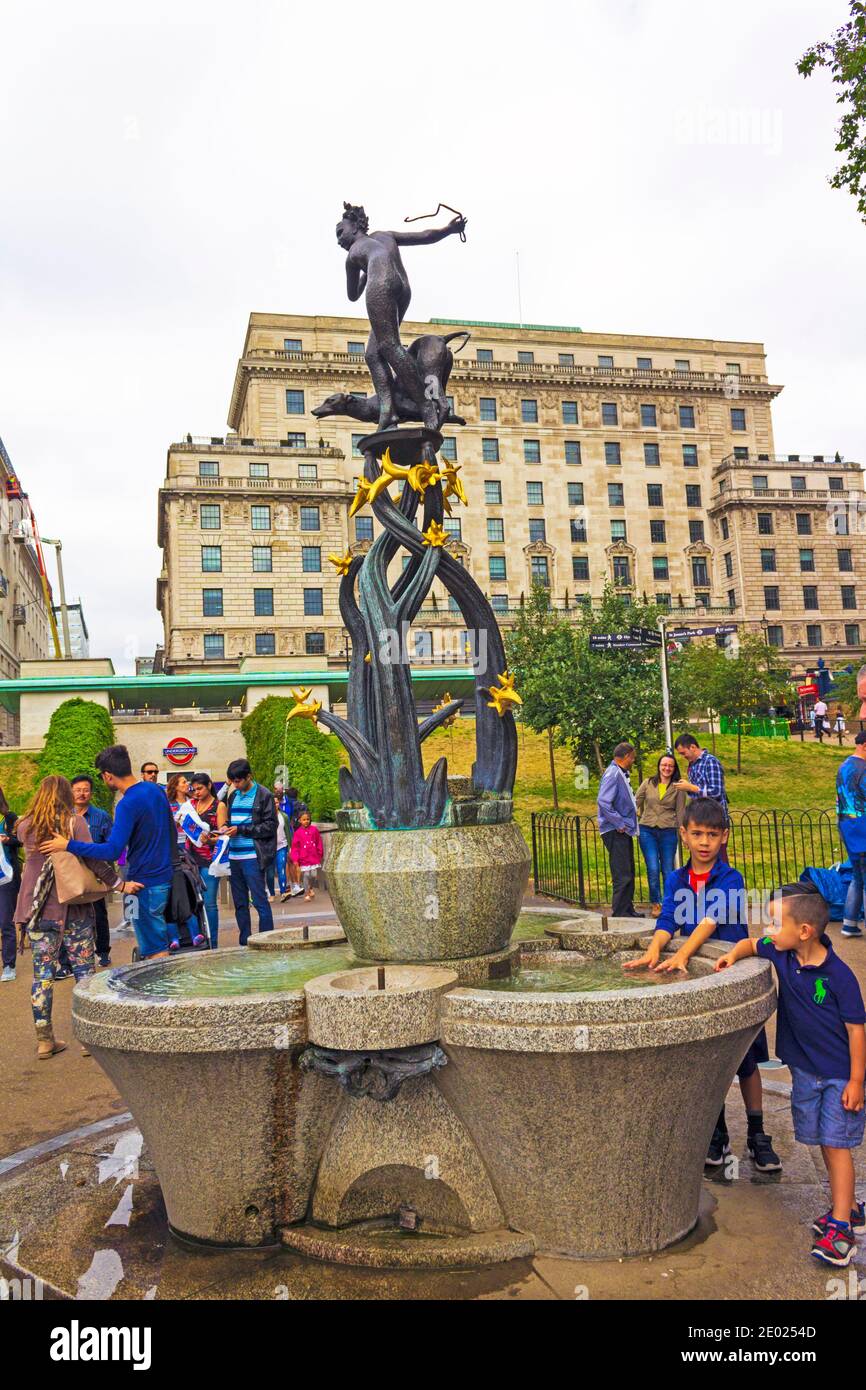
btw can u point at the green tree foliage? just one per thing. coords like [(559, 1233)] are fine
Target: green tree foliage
[(845, 55), (844, 689), (79, 729), (747, 676), (541, 656), (695, 674), (311, 759)]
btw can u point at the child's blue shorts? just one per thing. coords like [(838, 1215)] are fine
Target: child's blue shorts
[(819, 1115)]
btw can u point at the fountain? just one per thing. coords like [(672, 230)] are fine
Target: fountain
[(425, 1090)]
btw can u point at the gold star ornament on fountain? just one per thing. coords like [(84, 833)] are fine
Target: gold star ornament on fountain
[(304, 707), (341, 563), (503, 695), (434, 535)]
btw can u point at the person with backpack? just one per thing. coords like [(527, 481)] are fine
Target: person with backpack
[(252, 817), (851, 810)]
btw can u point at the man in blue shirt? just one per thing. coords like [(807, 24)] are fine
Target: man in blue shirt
[(253, 846), (820, 1036), (144, 827), (99, 825), (851, 810), (618, 827)]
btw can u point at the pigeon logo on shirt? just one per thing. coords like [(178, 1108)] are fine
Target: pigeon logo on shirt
[(820, 991)]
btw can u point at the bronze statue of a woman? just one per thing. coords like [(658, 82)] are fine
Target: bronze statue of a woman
[(374, 268)]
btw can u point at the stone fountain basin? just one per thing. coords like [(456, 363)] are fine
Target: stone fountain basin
[(593, 1111), (349, 1012)]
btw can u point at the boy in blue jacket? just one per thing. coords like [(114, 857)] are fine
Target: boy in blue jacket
[(703, 901)]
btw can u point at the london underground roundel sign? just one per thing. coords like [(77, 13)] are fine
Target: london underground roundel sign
[(179, 751)]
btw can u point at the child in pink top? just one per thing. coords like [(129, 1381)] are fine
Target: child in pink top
[(307, 852)]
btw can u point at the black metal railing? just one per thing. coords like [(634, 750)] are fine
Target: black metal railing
[(569, 860)]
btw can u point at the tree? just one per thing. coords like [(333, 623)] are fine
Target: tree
[(845, 55), (294, 750), (695, 674), (745, 677), (79, 729), (541, 656)]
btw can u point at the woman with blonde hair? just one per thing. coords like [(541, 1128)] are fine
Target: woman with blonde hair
[(48, 922)]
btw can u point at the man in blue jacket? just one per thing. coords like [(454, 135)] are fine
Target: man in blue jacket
[(617, 824)]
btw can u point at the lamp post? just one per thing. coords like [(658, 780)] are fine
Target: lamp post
[(64, 612)]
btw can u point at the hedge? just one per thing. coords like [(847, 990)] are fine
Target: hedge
[(79, 729), (311, 759)]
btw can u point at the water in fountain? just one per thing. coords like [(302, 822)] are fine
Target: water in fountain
[(588, 977), (232, 973)]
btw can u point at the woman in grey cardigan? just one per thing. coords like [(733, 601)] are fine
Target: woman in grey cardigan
[(660, 809)]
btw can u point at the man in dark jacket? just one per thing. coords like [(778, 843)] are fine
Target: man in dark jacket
[(253, 830)]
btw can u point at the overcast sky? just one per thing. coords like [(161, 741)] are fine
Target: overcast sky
[(166, 169)]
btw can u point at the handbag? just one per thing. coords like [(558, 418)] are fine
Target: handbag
[(74, 880)]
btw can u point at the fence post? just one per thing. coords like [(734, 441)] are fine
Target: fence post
[(779, 874), (581, 887), (534, 857)]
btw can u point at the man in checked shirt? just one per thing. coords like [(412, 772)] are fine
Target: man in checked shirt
[(706, 775)]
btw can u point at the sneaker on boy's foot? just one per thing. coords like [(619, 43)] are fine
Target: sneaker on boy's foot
[(8, 972), (63, 973), (296, 890), (850, 930), (198, 940), (857, 1218), (718, 1150), (764, 1156), (835, 1246), (105, 958)]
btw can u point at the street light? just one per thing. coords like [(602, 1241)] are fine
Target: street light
[(64, 613)]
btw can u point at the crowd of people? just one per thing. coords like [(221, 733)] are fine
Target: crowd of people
[(166, 849)]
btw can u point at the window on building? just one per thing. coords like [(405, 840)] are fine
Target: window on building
[(696, 531), (726, 530), (644, 364), (655, 495), (732, 368), (687, 417), (814, 635), (682, 364), (658, 534), (214, 645), (738, 418), (807, 561), (768, 561), (262, 559), (258, 470), (490, 450), (208, 468), (539, 570), (449, 449), (798, 483), (363, 528), (295, 439), (294, 403), (580, 567), (314, 643), (760, 482), (537, 529), (700, 575), (531, 451), (810, 596), (572, 451), (266, 644), (844, 560), (804, 524), (308, 472), (355, 348), (493, 492), (732, 599), (453, 526), (535, 494), (313, 605), (690, 455), (566, 359), (740, 451), (765, 523), (648, 416), (837, 484), (771, 597), (263, 603), (663, 600), (260, 518), (840, 522), (578, 531), (612, 455), (526, 358), (484, 354), (660, 567), (621, 570), (497, 568), (211, 558), (569, 412), (209, 516), (605, 362), (615, 495), (609, 413), (499, 603), (310, 519), (495, 530), (651, 455), (852, 634), (575, 494), (775, 635), (292, 345), (693, 494), (212, 603), (618, 530), (487, 408), (849, 596), (356, 440), (311, 559), (529, 412), (729, 565)]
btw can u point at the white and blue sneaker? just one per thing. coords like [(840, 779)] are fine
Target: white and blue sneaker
[(8, 972), (851, 929)]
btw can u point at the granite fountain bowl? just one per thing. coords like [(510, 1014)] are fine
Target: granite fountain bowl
[(204, 1050), (592, 1111), (376, 1008), (443, 894)]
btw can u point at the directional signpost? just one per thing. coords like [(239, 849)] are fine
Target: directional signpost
[(680, 634)]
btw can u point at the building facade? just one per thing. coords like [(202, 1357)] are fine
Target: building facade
[(24, 626), (588, 459)]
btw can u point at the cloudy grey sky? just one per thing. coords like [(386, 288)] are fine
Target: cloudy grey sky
[(165, 169)]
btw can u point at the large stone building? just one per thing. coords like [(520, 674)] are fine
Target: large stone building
[(24, 627), (588, 458)]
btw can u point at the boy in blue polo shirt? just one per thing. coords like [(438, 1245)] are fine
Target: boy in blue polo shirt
[(703, 901), (820, 1036)]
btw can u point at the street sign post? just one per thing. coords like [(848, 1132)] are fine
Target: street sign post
[(678, 634)]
